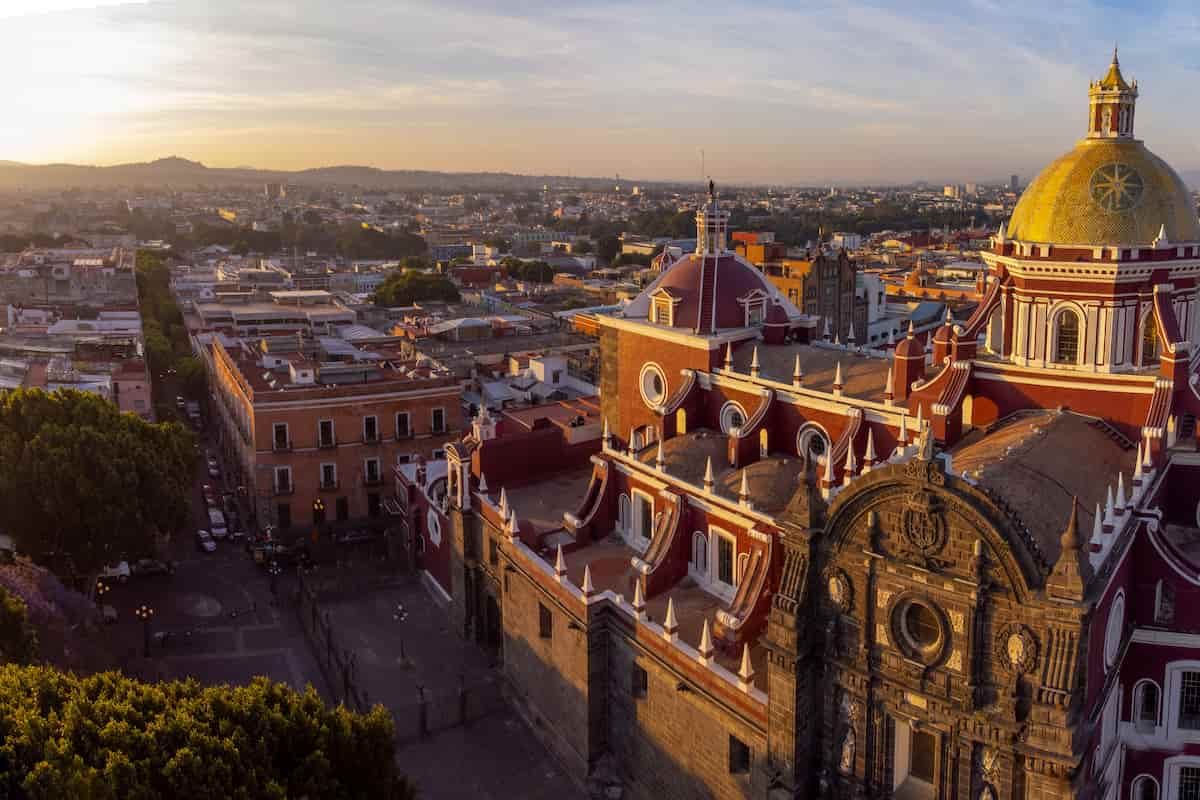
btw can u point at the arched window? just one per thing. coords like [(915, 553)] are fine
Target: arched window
[(1144, 788), (623, 513), (1066, 338), (764, 448), (733, 417), (699, 563), (1149, 341), (1145, 706)]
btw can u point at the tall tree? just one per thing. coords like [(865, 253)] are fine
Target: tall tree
[(83, 481)]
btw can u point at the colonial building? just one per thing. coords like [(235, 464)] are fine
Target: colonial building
[(314, 427), (799, 568)]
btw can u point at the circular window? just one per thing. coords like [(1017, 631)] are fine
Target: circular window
[(811, 443), (1114, 630), (733, 416), (435, 528), (921, 626), (920, 630), (653, 384)]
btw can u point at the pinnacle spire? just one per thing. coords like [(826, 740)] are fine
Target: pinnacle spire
[(560, 564), (869, 455), (659, 462), (902, 436), (746, 671), (670, 624), (708, 475), (1070, 536), (754, 368), (706, 644), (639, 600), (744, 490), (797, 373), (1072, 570), (587, 587)]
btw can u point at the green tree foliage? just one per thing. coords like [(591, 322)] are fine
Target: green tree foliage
[(405, 287), (356, 242), (18, 637), (607, 248), (192, 375), (81, 480), (533, 271), (106, 736)]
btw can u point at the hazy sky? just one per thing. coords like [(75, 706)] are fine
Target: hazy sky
[(772, 91)]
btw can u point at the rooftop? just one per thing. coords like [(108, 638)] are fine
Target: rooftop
[(1038, 462), (862, 377)]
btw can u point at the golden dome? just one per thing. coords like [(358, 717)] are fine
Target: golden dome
[(1105, 192)]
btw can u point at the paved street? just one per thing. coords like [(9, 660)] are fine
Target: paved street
[(226, 626)]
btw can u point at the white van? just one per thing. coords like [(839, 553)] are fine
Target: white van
[(216, 522)]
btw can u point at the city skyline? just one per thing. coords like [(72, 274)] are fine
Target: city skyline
[(847, 93)]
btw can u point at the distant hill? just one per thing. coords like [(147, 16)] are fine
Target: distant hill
[(181, 173)]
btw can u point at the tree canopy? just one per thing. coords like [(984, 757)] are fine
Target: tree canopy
[(405, 287), (533, 271), (107, 736), (85, 482), (18, 637)]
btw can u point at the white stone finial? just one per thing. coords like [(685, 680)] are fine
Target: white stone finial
[(729, 356), (708, 475), (837, 340), (891, 340), (503, 503), (744, 490), (828, 476), (754, 367), (1161, 240), (912, 330), (606, 437), (1098, 527), (746, 671), (1108, 506), (632, 451), (483, 487), (1148, 463), (850, 336), (826, 334), (670, 624), (949, 318), (869, 457), (889, 387), (706, 645), (1137, 466), (851, 466), (639, 600), (902, 436), (1120, 501), (587, 588), (920, 418), (560, 564), (837, 380), (797, 373)]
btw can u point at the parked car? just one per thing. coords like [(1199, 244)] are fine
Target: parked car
[(145, 567), (118, 572), (210, 497), (179, 402), (214, 468), (205, 541), (109, 614), (216, 521)]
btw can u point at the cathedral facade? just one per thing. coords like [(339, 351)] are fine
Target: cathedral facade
[(768, 564)]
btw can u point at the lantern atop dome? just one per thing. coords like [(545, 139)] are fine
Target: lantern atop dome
[(1112, 102)]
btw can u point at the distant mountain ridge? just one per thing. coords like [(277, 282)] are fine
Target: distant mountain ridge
[(182, 173)]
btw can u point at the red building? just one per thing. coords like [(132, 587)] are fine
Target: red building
[(802, 568)]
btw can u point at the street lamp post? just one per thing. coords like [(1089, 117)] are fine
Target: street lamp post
[(274, 570), (101, 589), (145, 613)]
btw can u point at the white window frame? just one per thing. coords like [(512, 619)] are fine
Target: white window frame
[(332, 432), (364, 427), (1055, 317), (759, 306), (717, 586), (1172, 767), (637, 538), (287, 433), (1135, 786), (1135, 711), (284, 470), (1171, 696), (730, 406), (662, 311), (321, 474), (378, 468), (407, 425), (648, 369), (433, 424), (624, 513)]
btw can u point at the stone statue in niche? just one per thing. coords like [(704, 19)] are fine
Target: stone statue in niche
[(846, 760)]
